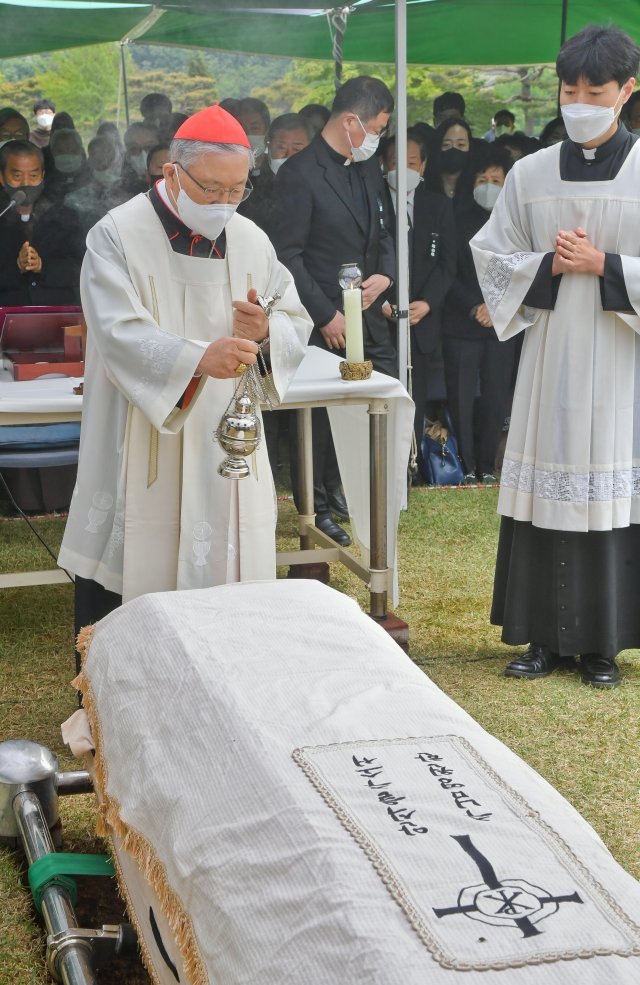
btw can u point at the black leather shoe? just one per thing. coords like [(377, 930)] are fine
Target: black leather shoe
[(599, 671), (331, 529), (338, 505), (538, 661)]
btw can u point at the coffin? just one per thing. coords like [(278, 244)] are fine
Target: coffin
[(290, 800)]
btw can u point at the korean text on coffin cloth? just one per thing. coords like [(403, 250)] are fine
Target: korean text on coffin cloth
[(482, 878)]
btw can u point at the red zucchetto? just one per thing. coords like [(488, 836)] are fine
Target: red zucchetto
[(213, 125)]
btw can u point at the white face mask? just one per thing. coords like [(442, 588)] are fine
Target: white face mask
[(258, 143), (585, 123), (275, 163), (367, 148), (413, 180), (68, 163), (486, 195), (44, 120), (208, 220), (138, 162), (106, 177)]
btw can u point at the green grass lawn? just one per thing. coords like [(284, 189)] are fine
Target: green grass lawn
[(584, 741)]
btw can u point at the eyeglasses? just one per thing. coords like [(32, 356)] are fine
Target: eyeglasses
[(216, 192), (374, 133)]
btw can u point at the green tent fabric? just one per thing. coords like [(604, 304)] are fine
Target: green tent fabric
[(440, 32), (26, 30)]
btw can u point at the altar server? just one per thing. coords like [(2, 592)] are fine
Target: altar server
[(559, 260), (169, 288)]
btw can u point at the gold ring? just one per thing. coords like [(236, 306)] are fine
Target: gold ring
[(240, 368)]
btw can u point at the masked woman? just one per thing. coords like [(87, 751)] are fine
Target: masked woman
[(432, 262), (450, 161), (471, 348), (68, 169)]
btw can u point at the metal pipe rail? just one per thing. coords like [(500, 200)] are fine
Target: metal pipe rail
[(71, 962)]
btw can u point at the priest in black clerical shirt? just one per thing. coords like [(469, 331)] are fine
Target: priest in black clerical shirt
[(559, 260), (41, 244), (331, 211)]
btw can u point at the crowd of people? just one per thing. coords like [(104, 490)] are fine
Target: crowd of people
[(453, 181), (550, 247)]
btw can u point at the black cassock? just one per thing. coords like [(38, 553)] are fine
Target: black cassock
[(574, 592)]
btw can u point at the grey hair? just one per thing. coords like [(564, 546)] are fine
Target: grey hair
[(187, 152)]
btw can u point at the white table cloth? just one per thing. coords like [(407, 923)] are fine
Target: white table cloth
[(38, 401), (316, 383)]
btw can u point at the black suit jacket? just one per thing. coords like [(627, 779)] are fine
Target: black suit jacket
[(465, 291), (319, 228), (432, 261), (58, 238)]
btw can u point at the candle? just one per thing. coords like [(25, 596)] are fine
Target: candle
[(352, 299)]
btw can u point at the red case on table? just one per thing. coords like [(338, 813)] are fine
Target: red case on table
[(38, 340)]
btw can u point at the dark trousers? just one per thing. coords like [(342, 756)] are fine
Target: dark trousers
[(326, 474), (419, 370), (464, 361), (92, 603)]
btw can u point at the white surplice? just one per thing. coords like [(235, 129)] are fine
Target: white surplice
[(149, 511), (572, 460)]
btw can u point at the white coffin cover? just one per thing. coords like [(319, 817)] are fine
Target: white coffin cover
[(310, 808)]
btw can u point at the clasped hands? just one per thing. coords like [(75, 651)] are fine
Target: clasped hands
[(576, 254), (250, 326), (482, 316), (417, 311), (29, 260), (334, 331)]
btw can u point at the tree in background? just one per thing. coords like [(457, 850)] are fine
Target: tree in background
[(529, 93), (238, 74), (85, 82), (188, 93)]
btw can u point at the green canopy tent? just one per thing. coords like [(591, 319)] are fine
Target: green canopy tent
[(439, 32)]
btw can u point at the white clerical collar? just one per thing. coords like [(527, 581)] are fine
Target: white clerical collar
[(589, 153)]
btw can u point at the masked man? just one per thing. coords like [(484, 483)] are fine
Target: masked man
[(330, 211), (44, 112), (169, 289), (41, 244), (559, 260)]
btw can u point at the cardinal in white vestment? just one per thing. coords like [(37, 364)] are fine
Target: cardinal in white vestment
[(560, 260), (169, 287)]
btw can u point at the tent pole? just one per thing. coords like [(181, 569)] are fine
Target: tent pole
[(134, 34), (123, 67), (337, 26), (563, 38), (402, 225), (563, 29)]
